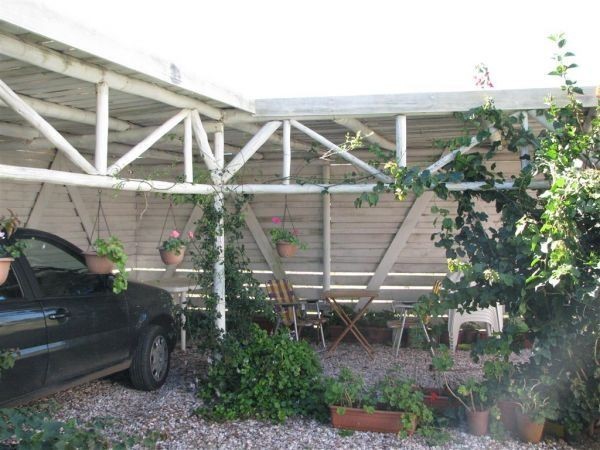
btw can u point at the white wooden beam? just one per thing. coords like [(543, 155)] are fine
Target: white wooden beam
[(524, 150), (35, 175), (541, 119), (368, 133), (287, 152), (219, 266), (150, 140), (326, 207), (68, 113), (344, 154), (263, 242), (19, 131), (321, 108), (204, 146), (400, 239), (101, 155), (401, 141), (249, 149), (188, 159), (73, 67), (252, 129), (449, 157), (38, 122)]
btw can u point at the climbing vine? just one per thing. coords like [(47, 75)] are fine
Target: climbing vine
[(244, 298), (543, 260)]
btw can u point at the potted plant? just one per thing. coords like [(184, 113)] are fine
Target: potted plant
[(474, 397), (9, 249), (107, 254), (172, 250), (535, 405), (392, 406), (472, 394), (286, 241)]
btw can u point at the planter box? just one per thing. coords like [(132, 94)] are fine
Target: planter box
[(438, 399), (379, 421)]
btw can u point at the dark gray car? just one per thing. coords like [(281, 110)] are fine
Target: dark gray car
[(68, 327)]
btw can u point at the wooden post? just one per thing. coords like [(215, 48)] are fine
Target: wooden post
[(326, 205), (401, 141), (287, 152), (188, 159), (524, 150), (219, 268), (101, 155)]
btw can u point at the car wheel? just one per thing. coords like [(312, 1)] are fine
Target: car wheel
[(151, 358)]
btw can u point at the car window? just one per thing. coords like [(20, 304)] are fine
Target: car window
[(10, 290), (60, 273)]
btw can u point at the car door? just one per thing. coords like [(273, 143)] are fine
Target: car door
[(87, 324), (23, 332)]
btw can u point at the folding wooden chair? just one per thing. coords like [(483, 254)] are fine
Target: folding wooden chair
[(293, 312)]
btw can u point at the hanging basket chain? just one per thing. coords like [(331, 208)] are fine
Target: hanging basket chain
[(169, 212), (286, 212), (96, 228)]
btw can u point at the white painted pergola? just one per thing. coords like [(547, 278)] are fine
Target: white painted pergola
[(103, 135)]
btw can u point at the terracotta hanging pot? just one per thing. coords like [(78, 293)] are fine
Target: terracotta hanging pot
[(5, 268), (286, 249), (478, 422), (529, 431), (171, 258), (98, 264)]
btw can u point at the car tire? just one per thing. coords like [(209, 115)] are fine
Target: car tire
[(151, 359)]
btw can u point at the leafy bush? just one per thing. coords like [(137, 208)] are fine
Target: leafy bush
[(29, 428), (263, 377)]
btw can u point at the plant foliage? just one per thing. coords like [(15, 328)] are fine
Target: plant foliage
[(113, 249)]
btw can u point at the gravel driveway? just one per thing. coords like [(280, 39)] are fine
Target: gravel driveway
[(168, 411)]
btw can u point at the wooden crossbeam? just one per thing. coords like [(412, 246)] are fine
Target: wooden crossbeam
[(368, 133), (264, 243)]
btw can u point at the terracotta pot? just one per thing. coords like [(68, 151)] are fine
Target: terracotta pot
[(286, 250), (529, 431), (478, 422), (508, 416), (171, 258), (5, 268), (98, 264), (360, 420)]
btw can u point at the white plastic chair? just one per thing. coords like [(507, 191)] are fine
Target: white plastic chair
[(492, 317)]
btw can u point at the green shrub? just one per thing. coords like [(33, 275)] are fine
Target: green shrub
[(263, 377)]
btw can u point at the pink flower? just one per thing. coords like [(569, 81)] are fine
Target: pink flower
[(191, 234), (276, 220), (175, 234), (296, 232)]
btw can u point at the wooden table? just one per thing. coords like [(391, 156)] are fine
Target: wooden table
[(332, 296), (178, 287)]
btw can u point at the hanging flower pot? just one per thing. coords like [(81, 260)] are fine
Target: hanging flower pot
[(286, 241), (9, 249), (100, 265), (286, 249), (5, 268), (172, 251), (172, 257)]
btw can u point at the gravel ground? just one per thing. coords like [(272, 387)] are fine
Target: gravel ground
[(168, 411)]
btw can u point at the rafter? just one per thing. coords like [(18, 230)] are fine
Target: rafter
[(368, 133)]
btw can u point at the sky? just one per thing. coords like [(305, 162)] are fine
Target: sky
[(268, 48)]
